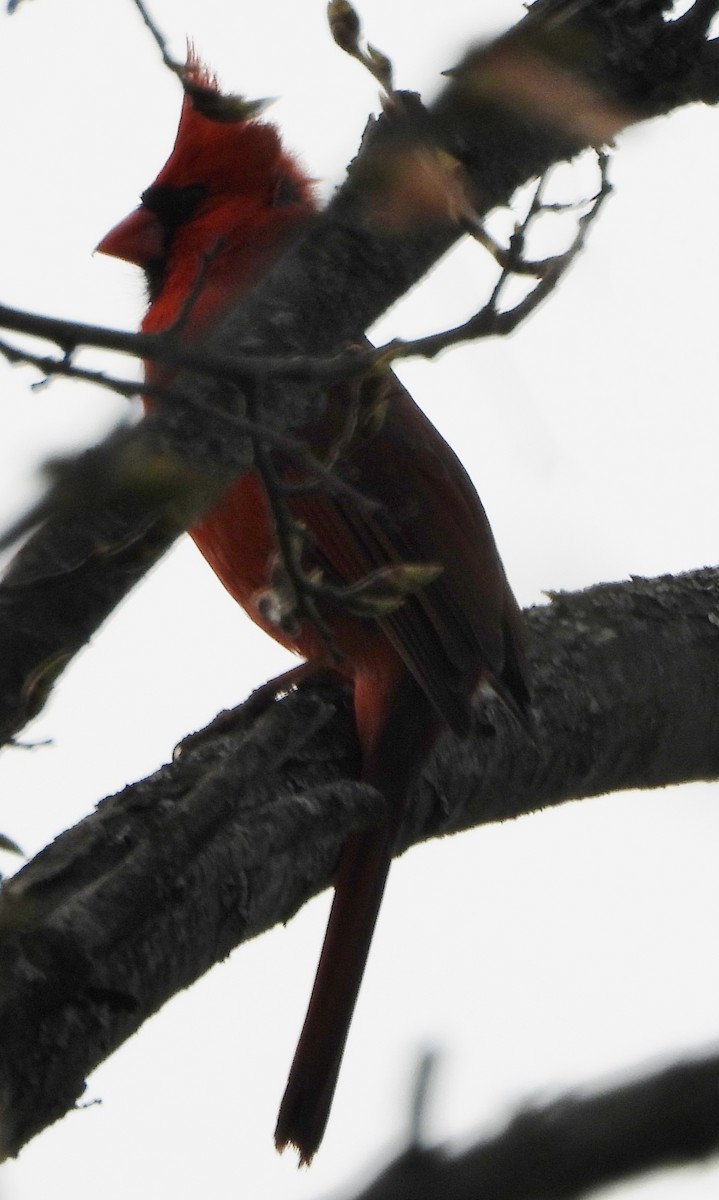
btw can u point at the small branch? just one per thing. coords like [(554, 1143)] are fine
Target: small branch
[(157, 347), (695, 22), (421, 1087), (65, 368), (490, 321), (346, 30), (174, 331), (109, 460), (292, 598), (512, 260), (194, 84), (172, 64)]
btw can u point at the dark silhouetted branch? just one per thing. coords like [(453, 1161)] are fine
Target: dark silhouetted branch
[(573, 1145), (142, 897)]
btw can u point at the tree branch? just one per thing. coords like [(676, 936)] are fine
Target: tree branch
[(574, 1144), (164, 879)]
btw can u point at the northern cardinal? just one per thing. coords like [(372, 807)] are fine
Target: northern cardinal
[(219, 215)]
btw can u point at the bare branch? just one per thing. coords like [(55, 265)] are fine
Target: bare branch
[(573, 1145), (206, 99), (172, 64), (346, 30), (491, 321), (291, 584)]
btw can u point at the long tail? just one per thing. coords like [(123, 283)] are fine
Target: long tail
[(359, 886), (409, 726)]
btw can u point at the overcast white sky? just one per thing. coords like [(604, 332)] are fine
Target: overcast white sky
[(592, 436)]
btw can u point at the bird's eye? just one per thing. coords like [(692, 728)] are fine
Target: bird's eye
[(173, 205), (286, 192)]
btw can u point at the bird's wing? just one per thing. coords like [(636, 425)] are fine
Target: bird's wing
[(465, 624)]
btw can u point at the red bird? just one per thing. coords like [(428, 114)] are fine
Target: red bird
[(219, 215)]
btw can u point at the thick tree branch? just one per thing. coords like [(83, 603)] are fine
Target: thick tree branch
[(167, 877), (502, 119), (573, 1145)]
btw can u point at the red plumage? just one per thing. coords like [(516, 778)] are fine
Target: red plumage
[(220, 213)]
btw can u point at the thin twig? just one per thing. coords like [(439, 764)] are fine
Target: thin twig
[(298, 600), (512, 257), (161, 42), (188, 301), (489, 321), (421, 1087), (65, 367), (319, 473), (130, 388)]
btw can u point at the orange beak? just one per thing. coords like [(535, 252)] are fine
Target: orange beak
[(138, 239)]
